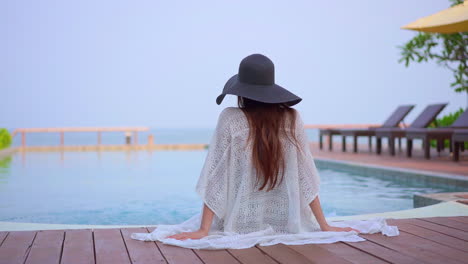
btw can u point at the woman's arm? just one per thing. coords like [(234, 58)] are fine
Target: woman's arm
[(207, 219), (317, 210)]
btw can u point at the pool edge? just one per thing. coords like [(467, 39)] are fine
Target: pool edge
[(445, 209), (394, 173)]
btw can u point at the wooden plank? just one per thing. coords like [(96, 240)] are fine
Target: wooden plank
[(447, 222), (140, 251), (174, 254), (110, 247), (78, 247), (351, 254), (419, 248), (47, 247), (382, 252), (463, 219), (435, 236), (215, 256), (317, 254), (284, 254), (3, 235), (396, 222), (439, 228), (251, 255), (16, 246)]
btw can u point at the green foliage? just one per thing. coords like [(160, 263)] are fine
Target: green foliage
[(446, 121), (448, 50), (456, 2), (5, 162), (5, 138)]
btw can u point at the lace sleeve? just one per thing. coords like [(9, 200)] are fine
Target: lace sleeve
[(212, 186), (309, 180)]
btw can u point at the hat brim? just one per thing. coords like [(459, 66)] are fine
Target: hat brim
[(262, 93)]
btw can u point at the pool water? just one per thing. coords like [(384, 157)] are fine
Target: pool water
[(144, 187)]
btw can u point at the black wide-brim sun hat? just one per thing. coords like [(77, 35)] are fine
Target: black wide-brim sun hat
[(256, 81)]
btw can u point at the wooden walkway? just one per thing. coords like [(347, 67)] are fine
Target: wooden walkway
[(425, 240), (439, 162)]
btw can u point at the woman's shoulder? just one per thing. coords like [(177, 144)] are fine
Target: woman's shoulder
[(232, 118), (231, 112)]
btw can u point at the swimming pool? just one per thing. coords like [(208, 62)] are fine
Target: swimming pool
[(147, 188)]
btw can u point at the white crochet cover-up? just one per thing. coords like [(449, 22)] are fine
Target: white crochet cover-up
[(245, 216)]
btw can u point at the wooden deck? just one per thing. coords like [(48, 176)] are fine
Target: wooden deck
[(439, 162), (425, 240)]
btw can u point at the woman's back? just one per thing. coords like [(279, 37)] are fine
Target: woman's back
[(259, 184), (228, 181)]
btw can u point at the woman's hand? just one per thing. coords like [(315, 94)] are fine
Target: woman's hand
[(339, 229), (205, 225), (192, 235), (318, 213)]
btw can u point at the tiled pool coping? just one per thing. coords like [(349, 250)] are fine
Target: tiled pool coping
[(394, 173), (441, 209)]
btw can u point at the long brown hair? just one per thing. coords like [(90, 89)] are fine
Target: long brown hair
[(267, 123)]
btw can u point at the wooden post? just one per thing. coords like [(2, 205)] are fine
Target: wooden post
[(391, 145), (150, 140), (128, 137), (427, 148), (99, 138), (343, 143), (370, 143), (61, 139), (136, 138), (320, 141), (355, 147), (379, 145), (409, 147), (456, 150), (23, 139)]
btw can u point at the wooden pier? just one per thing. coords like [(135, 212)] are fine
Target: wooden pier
[(425, 240), (121, 147), (130, 131), (130, 135)]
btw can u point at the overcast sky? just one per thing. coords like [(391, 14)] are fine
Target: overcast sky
[(162, 63)]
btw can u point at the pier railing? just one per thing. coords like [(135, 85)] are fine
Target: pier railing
[(130, 132)]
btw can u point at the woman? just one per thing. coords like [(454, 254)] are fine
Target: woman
[(259, 183)]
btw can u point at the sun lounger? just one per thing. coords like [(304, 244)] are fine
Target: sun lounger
[(330, 133), (452, 133), (428, 115), (459, 137), (392, 121)]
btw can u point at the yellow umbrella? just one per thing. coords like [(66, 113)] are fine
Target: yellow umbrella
[(451, 20)]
